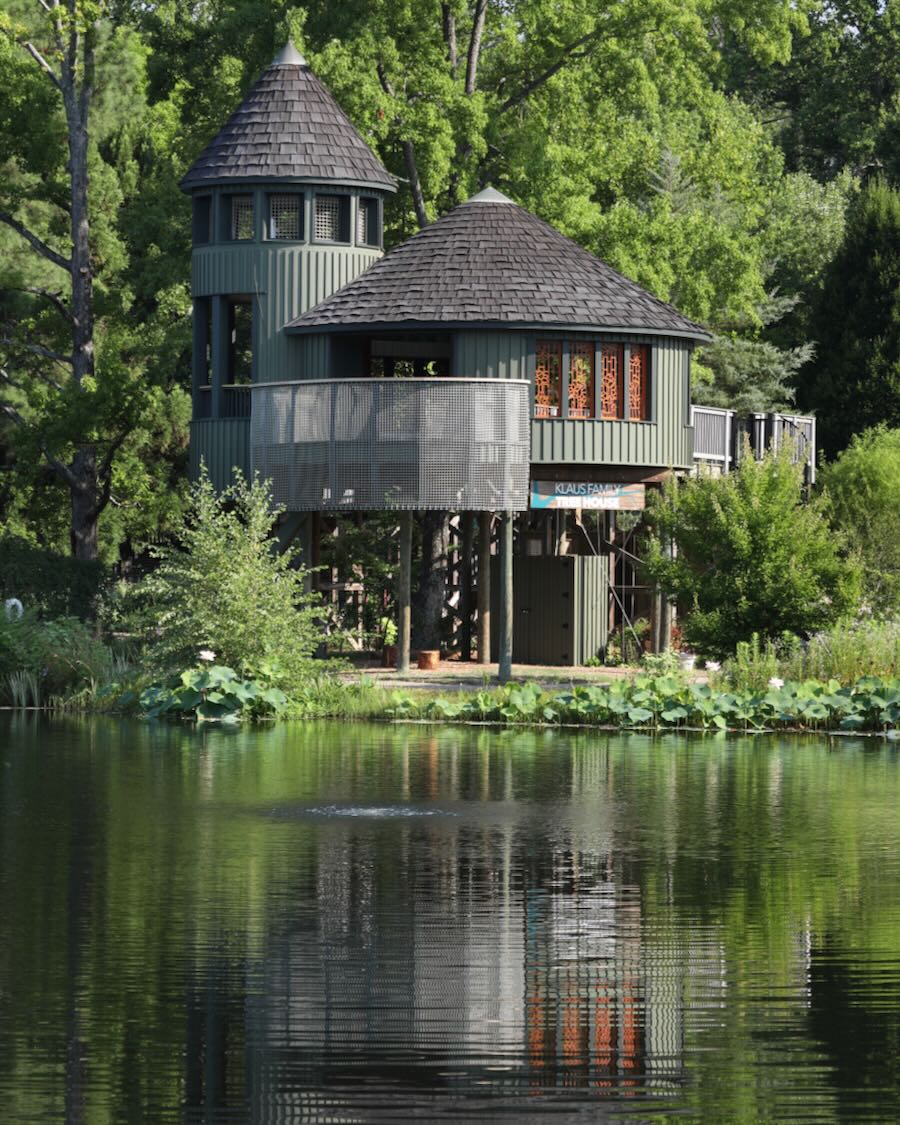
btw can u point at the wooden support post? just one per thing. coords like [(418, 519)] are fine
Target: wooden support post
[(465, 586), (221, 344), (404, 592), (484, 587), (504, 671)]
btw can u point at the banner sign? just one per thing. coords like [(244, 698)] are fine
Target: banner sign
[(587, 494)]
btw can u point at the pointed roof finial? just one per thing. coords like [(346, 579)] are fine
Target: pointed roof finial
[(289, 56), (489, 195)]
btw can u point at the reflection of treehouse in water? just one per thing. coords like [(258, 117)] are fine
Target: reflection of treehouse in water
[(599, 1013)]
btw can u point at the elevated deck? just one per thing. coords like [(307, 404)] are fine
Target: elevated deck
[(719, 437), (393, 444), (458, 444)]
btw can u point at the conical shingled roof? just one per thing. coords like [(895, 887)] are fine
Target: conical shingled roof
[(289, 127), (491, 262)]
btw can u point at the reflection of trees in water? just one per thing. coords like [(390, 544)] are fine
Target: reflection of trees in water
[(591, 912)]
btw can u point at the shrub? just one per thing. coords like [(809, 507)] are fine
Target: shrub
[(863, 485), (752, 556), (63, 654), (227, 588), (53, 584)]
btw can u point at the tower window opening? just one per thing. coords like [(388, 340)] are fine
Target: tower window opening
[(241, 217), (240, 343), (332, 218), (202, 219), (286, 217), (367, 232)]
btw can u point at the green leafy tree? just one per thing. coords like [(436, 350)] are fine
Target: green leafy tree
[(751, 555), (863, 485), (77, 392), (836, 103), (227, 588), (854, 382)]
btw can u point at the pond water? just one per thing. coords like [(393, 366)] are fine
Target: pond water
[(355, 923)]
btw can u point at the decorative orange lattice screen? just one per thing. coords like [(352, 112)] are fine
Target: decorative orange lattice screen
[(611, 389), (638, 384), (581, 379), (547, 378)]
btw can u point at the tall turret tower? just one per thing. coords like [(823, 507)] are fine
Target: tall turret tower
[(287, 208)]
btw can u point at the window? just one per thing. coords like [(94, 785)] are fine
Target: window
[(202, 223), (240, 342), (286, 218), (612, 396), (597, 383), (241, 227), (548, 379), (367, 232), (639, 384), (332, 218), (581, 379)]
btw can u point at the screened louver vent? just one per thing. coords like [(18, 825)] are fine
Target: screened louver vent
[(332, 223), (286, 217), (241, 217)]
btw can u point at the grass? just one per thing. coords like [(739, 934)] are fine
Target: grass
[(847, 652)]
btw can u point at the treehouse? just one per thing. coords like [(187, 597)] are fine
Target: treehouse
[(488, 367)]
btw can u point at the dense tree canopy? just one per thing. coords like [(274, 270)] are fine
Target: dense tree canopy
[(706, 148)]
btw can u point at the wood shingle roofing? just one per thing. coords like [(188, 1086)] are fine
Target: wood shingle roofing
[(490, 262), (289, 127)]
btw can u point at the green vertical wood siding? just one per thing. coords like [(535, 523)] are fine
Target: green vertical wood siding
[(491, 355), (286, 281), (666, 441), (223, 443)]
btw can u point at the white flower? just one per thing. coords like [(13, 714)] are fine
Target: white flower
[(207, 654), (713, 666), (776, 682)]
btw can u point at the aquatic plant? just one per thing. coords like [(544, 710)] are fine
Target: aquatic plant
[(214, 693), (671, 703)]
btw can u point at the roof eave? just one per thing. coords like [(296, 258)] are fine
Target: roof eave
[(188, 183), (697, 334)]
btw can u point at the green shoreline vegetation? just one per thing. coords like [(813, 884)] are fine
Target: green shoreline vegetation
[(224, 629)]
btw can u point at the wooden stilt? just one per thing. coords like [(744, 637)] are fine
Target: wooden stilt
[(404, 592), (484, 587), (504, 671), (465, 586)]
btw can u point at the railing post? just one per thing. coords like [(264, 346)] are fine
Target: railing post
[(504, 670), (484, 587), (404, 592)]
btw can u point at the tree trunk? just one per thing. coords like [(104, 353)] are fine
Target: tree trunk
[(432, 587), (85, 492), (85, 486)]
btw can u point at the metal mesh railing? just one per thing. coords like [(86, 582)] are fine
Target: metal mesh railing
[(712, 433), (371, 444)]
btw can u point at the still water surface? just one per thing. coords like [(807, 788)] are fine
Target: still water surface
[(351, 923)]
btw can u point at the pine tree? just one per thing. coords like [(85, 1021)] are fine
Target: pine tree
[(855, 380)]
